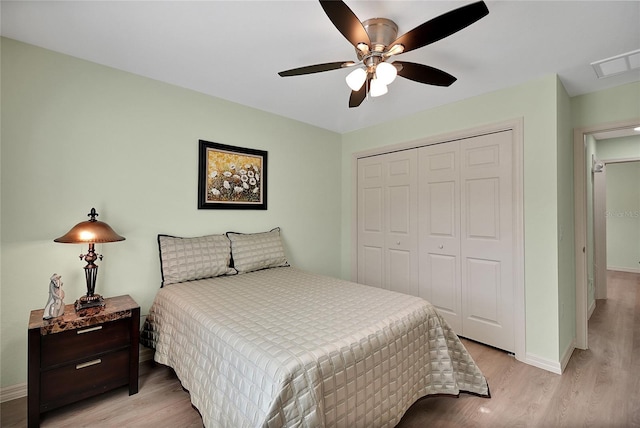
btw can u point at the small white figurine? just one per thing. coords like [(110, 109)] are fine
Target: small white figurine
[(55, 305)]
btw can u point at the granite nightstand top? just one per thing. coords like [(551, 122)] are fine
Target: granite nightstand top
[(115, 308)]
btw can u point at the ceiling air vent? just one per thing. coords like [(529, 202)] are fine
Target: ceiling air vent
[(617, 64)]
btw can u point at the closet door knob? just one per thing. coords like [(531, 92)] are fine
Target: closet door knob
[(441, 246), (398, 243)]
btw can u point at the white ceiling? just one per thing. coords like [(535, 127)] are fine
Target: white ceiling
[(234, 49)]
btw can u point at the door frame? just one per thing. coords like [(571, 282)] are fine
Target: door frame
[(580, 222), (517, 127), (599, 208), (600, 237)]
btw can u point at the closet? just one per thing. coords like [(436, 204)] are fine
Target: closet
[(437, 222)]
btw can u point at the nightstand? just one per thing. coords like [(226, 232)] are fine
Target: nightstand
[(79, 355)]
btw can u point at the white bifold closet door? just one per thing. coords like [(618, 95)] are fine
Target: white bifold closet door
[(387, 221), (466, 235), (436, 221)]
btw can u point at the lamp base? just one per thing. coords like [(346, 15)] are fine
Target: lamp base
[(86, 302)]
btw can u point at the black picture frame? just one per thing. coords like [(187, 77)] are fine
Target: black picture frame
[(231, 177)]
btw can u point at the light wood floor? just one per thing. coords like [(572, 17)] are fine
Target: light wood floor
[(600, 387)]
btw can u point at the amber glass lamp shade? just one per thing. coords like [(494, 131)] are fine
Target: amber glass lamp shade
[(91, 232)]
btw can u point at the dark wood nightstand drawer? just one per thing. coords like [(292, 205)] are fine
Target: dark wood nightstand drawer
[(73, 382), (82, 354), (68, 346)]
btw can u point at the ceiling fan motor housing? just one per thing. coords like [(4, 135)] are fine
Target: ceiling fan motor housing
[(382, 32)]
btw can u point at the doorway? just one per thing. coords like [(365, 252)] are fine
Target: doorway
[(583, 166), (616, 243)]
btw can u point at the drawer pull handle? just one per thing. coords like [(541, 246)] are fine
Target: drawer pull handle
[(88, 364), (88, 330)]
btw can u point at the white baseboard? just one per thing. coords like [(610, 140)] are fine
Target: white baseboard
[(556, 367), (543, 363), (14, 392), (624, 269)]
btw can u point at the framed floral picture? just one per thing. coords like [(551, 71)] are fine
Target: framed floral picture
[(231, 177)]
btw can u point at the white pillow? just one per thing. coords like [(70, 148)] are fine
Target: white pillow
[(187, 259), (255, 251)]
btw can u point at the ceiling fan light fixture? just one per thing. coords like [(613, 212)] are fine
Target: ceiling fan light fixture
[(395, 50), (356, 78), (363, 48), (386, 73), (378, 88)]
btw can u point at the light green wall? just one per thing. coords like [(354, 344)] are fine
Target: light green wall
[(77, 135), (612, 105), (566, 245), (623, 216), (619, 148), (536, 102)]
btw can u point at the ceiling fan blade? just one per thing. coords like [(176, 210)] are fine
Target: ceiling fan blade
[(442, 26), (357, 97), (317, 68), (424, 74), (346, 22)]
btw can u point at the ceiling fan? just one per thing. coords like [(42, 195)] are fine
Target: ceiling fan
[(376, 41)]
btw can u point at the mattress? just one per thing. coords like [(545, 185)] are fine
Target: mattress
[(283, 347)]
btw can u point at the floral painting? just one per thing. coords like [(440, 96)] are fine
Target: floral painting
[(231, 177)]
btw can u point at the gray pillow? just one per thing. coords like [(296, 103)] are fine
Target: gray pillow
[(187, 259), (255, 251)]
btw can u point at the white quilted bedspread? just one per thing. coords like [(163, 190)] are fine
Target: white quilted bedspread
[(283, 348)]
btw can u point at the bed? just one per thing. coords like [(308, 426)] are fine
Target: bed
[(276, 346)]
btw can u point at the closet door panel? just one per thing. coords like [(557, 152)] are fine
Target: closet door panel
[(439, 219), (443, 269), (482, 199), (486, 239), (400, 278), (484, 283), (387, 221), (373, 202), (370, 268), (371, 217), (401, 226)]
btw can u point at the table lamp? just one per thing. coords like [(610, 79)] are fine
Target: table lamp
[(91, 231)]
